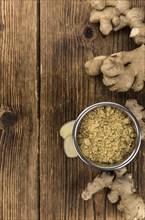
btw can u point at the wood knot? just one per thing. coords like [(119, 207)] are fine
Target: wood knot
[(8, 119), (88, 32), (2, 27)]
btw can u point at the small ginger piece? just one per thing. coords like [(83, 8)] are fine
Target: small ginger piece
[(99, 183), (66, 133), (138, 34), (120, 172), (67, 129), (92, 67), (106, 18), (117, 14), (121, 71), (69, 147), (122, 192), (139, 113)]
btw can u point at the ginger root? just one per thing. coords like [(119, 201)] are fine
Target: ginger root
[(99, 183), (121, 71), (117, 14), (122, 6), (134, 19), (122, 191), (106, 18), (139, 113), (66, 134)]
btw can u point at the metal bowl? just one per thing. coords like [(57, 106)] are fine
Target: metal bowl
[(136, 147)]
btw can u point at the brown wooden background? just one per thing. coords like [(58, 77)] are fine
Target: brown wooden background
[(43, 48)]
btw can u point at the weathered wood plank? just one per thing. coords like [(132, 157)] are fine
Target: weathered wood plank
[(18, 94), (65, 91)]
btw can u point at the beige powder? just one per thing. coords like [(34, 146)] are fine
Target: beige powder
[(106, 135)]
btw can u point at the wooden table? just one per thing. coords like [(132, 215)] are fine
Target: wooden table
[(43, 47)]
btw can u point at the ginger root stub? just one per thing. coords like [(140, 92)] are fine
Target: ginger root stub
[(106, 135)]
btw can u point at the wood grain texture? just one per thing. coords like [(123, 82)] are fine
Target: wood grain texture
[(43, 47), (18, 97), (65, 91)]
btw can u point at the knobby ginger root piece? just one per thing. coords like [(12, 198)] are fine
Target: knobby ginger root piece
[(121, 172), (67, 129), (121, 71), (133, 207), (121, 186), (117, 14), (139, 113), (105, 18), (92, 67), (122, 6), (125, 70), (69, 147), (138, 34), (122, 191), (131, 204), (99, 183), (134, 19)]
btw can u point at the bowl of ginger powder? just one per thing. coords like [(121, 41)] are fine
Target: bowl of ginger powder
[(106, 136)]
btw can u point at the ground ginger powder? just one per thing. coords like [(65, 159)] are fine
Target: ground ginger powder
[(106, 135)]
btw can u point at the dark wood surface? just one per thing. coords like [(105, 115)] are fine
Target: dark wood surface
[(19, 180), (43, 47)]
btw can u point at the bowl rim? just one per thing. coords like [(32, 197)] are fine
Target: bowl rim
[(138, 131)]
